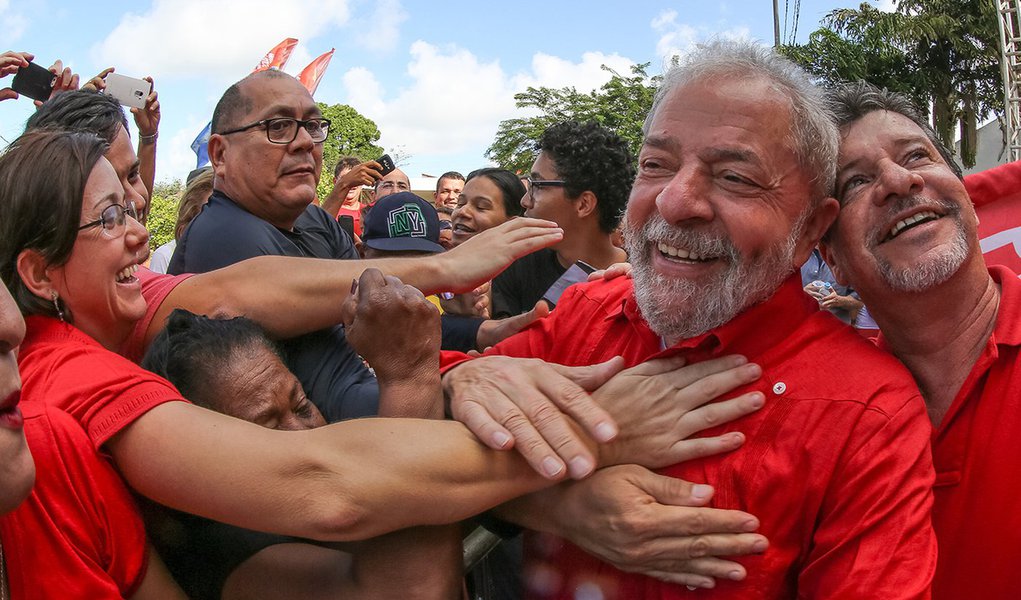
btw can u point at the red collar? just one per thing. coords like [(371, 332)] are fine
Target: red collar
[(751, 332), (1007, 330)]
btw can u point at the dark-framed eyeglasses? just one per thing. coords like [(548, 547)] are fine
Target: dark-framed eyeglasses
[(283, 130), (541, 183), (113, 218)]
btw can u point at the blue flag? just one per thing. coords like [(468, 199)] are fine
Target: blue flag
[(201, 146)]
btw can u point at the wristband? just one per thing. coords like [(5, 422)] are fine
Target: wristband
[(148, 139)]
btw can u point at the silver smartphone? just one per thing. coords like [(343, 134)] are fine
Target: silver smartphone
[(127, 90)]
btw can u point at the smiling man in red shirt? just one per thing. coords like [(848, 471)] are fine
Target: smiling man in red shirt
[(727, 204), (907, 240)]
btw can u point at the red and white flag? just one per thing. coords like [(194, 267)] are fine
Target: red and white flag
[(277, 57), (313, 73), (997, 197)]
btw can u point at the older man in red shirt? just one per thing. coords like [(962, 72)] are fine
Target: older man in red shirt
[(731, 197), (906, 238)]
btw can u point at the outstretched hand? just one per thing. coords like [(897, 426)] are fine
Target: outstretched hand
[(10, 62), (656, 525), (487, 254), (147, 118)]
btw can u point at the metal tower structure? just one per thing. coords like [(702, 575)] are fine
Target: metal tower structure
[(1010, 67)]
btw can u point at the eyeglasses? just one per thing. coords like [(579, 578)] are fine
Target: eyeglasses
[(541, 183), (283, 130), (113, 219)]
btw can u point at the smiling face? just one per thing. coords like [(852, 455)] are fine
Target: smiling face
[(905, 219), (17, 471), (720, 212), (125, 163), (97, 283), (447, 192), (274, 182), (479, 207)]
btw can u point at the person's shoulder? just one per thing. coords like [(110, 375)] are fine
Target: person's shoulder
[(607, 295)]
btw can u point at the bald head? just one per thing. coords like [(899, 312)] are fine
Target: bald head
[(237, 102)]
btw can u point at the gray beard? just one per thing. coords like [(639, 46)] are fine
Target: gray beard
[(677, 309), (928, 272)]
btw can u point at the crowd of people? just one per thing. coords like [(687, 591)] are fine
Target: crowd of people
[(763, 359)]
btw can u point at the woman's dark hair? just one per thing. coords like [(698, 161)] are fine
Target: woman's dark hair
[(193, 351), (42, 184), (510, 187), (81, 110)]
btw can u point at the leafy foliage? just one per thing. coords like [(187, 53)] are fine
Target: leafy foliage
[(620, 104), (943, 53), (163, 212), (351, 134)]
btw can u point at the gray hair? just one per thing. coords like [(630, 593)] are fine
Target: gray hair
[(814, 136)]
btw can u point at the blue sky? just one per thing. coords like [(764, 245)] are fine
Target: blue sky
[(437, 77)]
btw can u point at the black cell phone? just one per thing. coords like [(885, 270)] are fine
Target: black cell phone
[(347, 223), (387, 163), (34, 81)]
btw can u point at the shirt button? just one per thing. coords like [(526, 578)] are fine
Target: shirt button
[(779, 387)]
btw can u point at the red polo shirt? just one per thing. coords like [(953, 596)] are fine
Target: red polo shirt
[(836, 465), (79, 534), (977, 454), (105, 392)]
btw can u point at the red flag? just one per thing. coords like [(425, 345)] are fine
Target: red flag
[(277, 57), (314, 72), (997, 197)]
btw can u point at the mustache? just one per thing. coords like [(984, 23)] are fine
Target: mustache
[(903, 203), (706, 243)]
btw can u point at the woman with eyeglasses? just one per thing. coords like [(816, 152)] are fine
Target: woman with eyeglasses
[(69, 527), (69, 248)]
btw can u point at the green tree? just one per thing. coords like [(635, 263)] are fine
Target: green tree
[(351, 134), (943, 53), (163, 212), (620, 104)]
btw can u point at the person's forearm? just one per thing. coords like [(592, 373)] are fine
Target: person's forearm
[(287, 296), (147, 164), (334, 200), (418, 396), (535, 511), (348, 481)]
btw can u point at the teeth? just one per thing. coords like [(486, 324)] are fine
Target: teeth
[(126, 273), (679, 252), (904, 223)]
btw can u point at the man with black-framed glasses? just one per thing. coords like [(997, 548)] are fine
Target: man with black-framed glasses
[(266, 150), (580, 180)]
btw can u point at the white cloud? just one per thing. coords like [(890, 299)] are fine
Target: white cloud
[(220, 38), (14, 25), (381, 30), (886, 5), (454, 102), (677, 39)]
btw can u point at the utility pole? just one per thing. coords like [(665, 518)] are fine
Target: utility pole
[(776, 24)]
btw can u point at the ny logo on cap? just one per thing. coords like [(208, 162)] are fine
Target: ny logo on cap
[(406, 221)]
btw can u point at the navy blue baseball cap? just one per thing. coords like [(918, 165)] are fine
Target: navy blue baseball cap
[(402, 221)]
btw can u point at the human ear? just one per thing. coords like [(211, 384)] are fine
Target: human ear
[(34, 272), (818, 223)]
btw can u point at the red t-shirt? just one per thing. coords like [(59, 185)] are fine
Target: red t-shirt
[(105, 392), (836, 465), (356, 216), (155, 288), (79, 534), (977, 453)]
